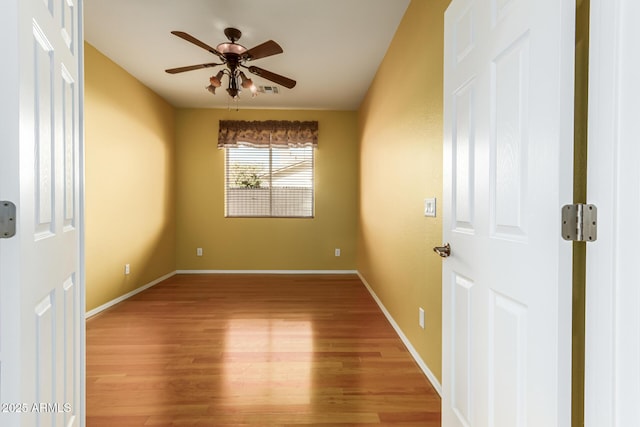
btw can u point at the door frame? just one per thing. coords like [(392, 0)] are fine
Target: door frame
[(612, 63), (82, 280)]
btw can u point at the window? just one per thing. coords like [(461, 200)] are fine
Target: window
[(269, 182), (269, 168)]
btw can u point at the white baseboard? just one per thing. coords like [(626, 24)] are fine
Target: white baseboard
[(121, 298), (266, 272), (423, 366)]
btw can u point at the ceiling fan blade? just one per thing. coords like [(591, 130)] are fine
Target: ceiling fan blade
[(190, 68), (263, 50), (276, 78), (191, 39)]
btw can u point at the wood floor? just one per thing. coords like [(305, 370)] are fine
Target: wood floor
[(253, 350)]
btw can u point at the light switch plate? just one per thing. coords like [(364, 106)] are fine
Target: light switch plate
[(430, 207)]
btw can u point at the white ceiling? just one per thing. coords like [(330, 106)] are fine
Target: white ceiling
[(332, 48)]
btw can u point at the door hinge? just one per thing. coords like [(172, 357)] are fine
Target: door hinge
[(580, 223), (7, 219)]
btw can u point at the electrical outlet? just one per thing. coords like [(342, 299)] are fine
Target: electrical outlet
[(337, 251), (421, 317), (198, 251), (127, 268)]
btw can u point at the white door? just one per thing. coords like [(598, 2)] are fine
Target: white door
[(612, 365), (41, 273), (508, 169)]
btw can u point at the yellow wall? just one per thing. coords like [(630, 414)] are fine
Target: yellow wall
[(265, 243), (130, 182), (400, 125)]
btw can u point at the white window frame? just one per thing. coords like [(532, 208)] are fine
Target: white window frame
[(254, 194)]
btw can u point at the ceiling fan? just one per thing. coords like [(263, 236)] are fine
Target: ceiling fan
[(235, 56)]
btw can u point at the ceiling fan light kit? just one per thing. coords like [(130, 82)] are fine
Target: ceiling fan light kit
[(234, 56)]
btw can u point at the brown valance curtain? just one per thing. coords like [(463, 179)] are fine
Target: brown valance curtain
[(278, 133)]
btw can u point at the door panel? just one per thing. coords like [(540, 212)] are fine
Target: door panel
[(507, 172), (45, 358), (41, 287), (463, 333), (68, 112), (509, 100), (507, 370), (44, 142), (464, 144)]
